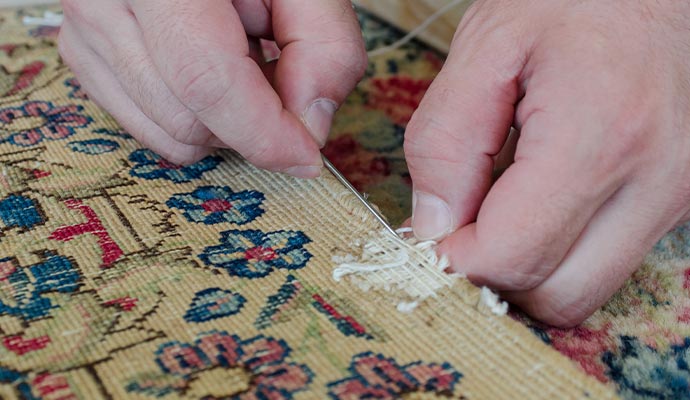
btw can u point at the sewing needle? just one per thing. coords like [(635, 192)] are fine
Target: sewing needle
[(341, 178)]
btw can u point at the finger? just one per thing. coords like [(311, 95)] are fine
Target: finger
[(322, 59), (105, 90), (566, 167), (610, 249), (529, 219), (256, 17), (460, 125), (200, 49), (130, 63)]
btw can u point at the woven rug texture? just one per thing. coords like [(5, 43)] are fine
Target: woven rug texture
[(123, 276)]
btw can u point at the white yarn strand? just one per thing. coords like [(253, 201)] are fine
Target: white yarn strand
[(49, 18), (416, 31), (396, 264)]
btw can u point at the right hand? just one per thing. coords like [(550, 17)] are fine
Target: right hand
[(187, 76)]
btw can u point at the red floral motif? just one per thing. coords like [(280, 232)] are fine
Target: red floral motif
[(8, 48), (272, 377), (7, 268), (362, 167), (397, 96), (686, 279), (125, 303), (163, 163), (585, 346), (684, 315), (93, 225), (26, 77), (260, 254), (39, 173), (17, 344), (50, 386), (375, 376), (216, 205)]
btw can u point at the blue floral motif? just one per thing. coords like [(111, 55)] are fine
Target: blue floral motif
[(20, 212), (674, 244), (216, 204), (287, 295), (57, 122), (149, 165), (213, 303), (76, 91), (254, 254), (19, 380), (115, 133), (94, 147), (26, 298), (645, 373)]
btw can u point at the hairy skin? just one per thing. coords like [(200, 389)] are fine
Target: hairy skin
[(600, 91)]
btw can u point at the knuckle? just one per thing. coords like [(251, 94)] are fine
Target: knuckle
[(201, 85), (520, 279), (355, 57), (181, 156), (432, 138), (187, 129), (262, 154), (550, 307)]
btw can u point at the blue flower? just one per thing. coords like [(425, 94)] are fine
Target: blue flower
[(215, 204), (26, 296), (20, 212), (645, 373), (19, 380), (149, 165), (674, 244), (213, 303), (118, 133), (94, 146), (76, 91), (54, 122), (254, 254)]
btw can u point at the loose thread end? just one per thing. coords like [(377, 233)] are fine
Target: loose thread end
[(405, 267)]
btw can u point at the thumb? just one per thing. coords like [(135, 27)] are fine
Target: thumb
[(322, 59), (461, 123)]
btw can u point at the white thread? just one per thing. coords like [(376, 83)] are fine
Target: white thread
[(407, 308), (491, 300), (49, 19), (394, 263), (416, 31)]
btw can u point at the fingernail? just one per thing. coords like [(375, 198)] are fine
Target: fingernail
[(431, 217), (304, 171), (318, 118)]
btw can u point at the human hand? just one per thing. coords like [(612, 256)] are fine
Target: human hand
[(600, 91), (186, 76)]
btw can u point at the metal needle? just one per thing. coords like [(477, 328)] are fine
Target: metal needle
[(341, 178)]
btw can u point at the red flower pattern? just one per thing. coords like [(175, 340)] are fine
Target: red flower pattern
[(397, 96)]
